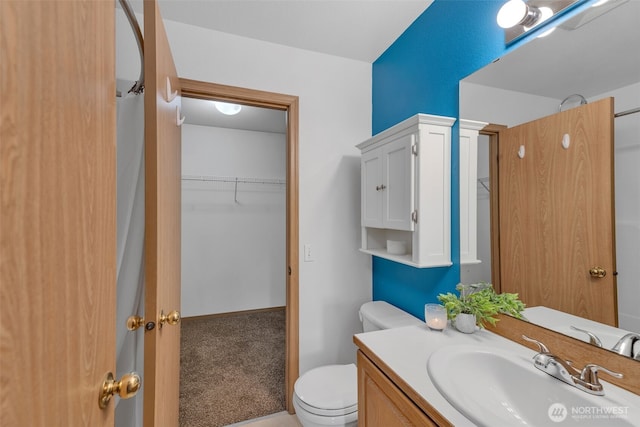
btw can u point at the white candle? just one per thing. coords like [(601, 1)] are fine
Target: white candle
[(435, 316), (436, 323)]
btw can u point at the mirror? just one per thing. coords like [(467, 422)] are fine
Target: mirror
[(594, 54)]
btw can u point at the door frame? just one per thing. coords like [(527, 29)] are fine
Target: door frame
[(493, 132), (289, 104)]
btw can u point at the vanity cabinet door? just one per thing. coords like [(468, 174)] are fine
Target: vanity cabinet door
[(381, 403)]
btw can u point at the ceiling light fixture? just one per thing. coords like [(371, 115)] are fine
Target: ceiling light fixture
[(518, 17), (227, 108)]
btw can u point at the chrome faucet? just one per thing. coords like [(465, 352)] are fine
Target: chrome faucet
[(625, 345), (585, 379)]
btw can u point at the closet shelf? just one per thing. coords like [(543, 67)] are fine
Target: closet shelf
[(234, 179)]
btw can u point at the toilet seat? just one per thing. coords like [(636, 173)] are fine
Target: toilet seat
[(328, 391)]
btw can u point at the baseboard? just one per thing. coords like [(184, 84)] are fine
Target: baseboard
[(231, 313)]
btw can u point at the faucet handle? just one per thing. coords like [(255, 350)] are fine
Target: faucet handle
[(590, 371), (593, 339), (543, 348)]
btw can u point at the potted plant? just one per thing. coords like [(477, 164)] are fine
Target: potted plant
[(478, 304)]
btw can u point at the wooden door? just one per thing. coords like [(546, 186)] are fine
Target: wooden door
[(557, 212), (162, 222), (58, 211)]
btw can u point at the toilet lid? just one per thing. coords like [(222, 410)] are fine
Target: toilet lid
[(329, 390)]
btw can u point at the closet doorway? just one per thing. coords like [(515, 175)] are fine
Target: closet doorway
[(263, 184)]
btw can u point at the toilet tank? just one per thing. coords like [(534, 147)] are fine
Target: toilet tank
[(377, 315)]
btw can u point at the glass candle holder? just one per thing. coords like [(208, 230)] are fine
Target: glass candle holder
[(435, 316)]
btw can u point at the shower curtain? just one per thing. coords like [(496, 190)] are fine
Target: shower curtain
[(130, 249)]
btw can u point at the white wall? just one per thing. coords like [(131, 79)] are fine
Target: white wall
[(513, 108), (627, 190), (233, 243), (335, 114), (476, 273)]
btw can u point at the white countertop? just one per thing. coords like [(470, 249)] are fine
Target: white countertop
[(561, 322), (406, 351)]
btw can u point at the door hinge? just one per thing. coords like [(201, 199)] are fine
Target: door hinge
[(414, 216)]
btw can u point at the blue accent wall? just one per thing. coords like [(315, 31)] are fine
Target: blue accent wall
[(420, 73)]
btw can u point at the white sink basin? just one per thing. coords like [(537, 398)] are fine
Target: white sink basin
[(497, 388)]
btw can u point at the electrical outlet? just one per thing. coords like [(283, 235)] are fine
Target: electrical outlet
[(308, 254)]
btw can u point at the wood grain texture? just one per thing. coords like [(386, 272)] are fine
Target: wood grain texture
[(381, 403), (290, 104), (163, 153), (572, 349), (556, 212), (58, 217)]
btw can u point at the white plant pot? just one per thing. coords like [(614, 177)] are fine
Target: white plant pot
[(465, 323)]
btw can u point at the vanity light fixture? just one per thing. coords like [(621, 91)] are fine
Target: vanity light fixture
[(518, 16), (227, 108), (517, 12)]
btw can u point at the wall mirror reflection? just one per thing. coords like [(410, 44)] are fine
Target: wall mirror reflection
[(593, 54)]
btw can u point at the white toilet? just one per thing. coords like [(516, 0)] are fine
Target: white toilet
[(328, 395)]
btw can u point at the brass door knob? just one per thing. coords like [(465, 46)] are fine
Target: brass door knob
[(598, 272), (134, 322), (127, 387), (173, 318)]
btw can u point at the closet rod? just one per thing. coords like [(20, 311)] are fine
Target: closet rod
[(138, 86), (626, 113), (274, 181)]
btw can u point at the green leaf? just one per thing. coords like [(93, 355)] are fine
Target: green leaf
[(481, 300)]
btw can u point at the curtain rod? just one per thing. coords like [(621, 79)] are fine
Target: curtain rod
[(138, 87)]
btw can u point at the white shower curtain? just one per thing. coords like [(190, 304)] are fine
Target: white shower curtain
[(130, 248)]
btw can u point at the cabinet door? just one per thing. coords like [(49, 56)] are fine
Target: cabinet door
[(382, 404), (398, 177), (372, 189)]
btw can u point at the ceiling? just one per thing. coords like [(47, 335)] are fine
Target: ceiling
[(203, 113), (583, 55), (363, 29), (356, 29)]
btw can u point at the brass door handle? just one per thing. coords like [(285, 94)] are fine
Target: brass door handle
[(598, 272), (173, 318), (127, 387)]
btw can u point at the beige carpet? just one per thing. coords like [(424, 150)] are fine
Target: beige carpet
[(231, 368)]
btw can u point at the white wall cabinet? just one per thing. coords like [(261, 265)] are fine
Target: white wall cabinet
[(406, 191), (387, 174), (469, 131)]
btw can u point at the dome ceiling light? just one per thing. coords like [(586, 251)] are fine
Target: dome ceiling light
[(227, 108)]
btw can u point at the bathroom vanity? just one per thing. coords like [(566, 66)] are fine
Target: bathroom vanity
[(405, 373)]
